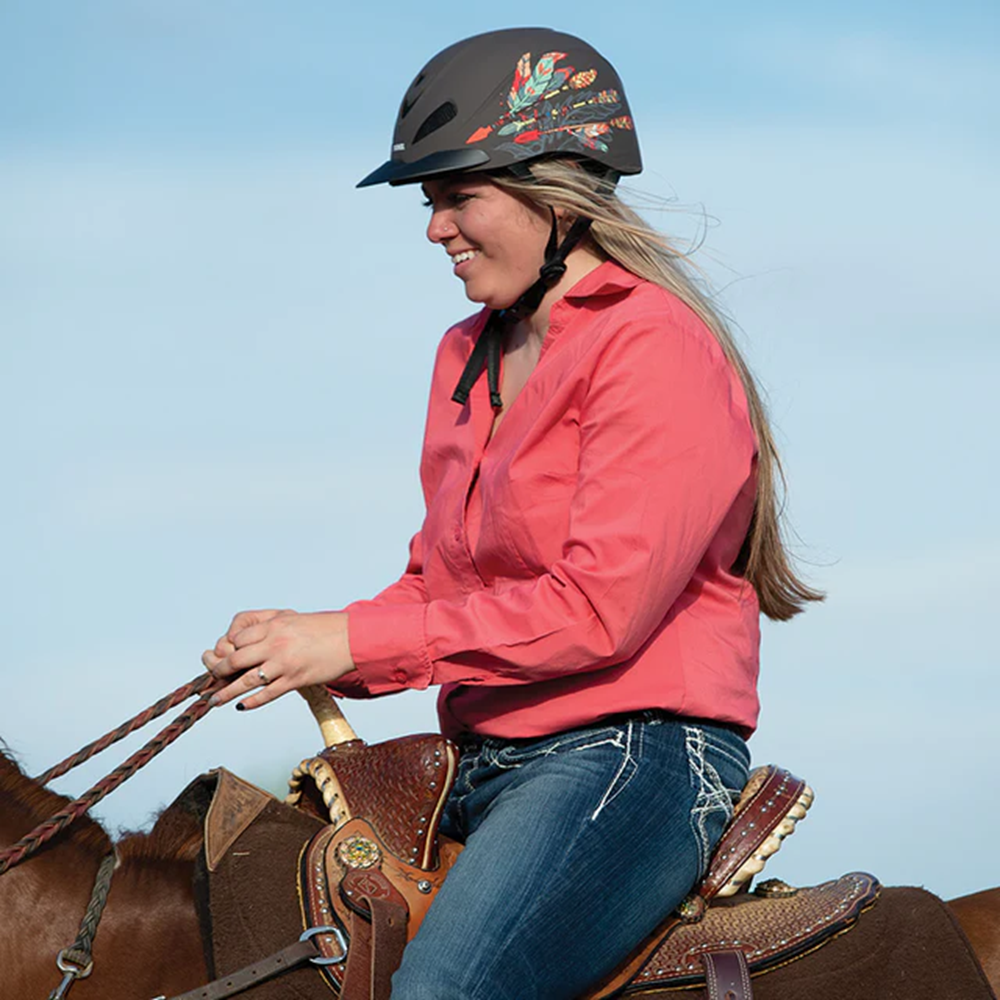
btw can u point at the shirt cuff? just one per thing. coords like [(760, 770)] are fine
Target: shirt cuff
[(388, 645)]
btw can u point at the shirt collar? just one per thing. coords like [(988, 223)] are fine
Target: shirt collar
[(608, 278)]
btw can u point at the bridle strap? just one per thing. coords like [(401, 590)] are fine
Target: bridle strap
[(76, 961)]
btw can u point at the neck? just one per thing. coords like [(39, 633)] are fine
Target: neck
[(580, 262)]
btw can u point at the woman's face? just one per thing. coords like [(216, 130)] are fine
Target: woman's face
[(496, 240)]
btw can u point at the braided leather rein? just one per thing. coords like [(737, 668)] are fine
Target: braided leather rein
[(203, 685)]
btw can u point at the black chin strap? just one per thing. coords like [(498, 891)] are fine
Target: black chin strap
[(490, 343)]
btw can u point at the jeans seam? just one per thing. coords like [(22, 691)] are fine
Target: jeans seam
[(611, 792), (563, 745)]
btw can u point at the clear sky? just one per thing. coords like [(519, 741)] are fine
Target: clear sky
[(216, 354)]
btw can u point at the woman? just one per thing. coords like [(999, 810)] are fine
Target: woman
[(600, 538)]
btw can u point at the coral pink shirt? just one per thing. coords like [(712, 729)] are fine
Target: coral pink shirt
[(577, 564)]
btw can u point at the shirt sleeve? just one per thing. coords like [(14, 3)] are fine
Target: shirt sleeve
[(409, 590), (666, 448)]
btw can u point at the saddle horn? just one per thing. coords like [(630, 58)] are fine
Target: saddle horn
[(332, 724)]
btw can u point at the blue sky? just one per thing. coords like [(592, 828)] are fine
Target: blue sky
[(216, 354)]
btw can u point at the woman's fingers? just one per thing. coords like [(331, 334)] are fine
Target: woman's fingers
[(273, 652), (247, 618), (249, 626), (267, 692), (223, 647), (242, 682), (250, 635)]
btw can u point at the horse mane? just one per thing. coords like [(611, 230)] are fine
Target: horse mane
[(38, 803), (176, 835)]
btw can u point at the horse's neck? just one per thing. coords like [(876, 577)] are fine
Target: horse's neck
[(43, 899), (43, 896), (24, 804)]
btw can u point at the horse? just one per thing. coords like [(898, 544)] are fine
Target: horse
[(150, 942)]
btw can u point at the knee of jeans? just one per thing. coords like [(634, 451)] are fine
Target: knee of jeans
[(424, 980)]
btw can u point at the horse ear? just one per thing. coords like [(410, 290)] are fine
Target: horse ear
[(332, 724)]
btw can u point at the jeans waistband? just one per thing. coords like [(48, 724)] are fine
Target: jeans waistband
[(472, 742)]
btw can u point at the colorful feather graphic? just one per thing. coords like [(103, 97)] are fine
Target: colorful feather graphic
[(604, 97), (583, 79), (521, 74), (529, 87), (534, 88), (589, 133)]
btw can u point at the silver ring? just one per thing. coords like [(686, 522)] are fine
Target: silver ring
[(262, 675)]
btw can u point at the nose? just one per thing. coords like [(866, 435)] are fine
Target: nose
[(441, 226)]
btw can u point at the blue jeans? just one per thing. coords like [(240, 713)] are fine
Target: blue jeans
[(577, 846)]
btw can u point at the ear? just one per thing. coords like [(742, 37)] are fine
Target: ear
[(564, 220)]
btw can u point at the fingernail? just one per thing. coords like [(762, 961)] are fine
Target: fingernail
[(240, 707), (213, 702)]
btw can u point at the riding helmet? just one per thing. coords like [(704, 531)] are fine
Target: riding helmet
[(501, 99)]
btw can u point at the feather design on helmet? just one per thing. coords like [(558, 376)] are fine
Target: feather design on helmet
[(534, 115), (528, 87), (553, 112), (538, 84), (588, 133)]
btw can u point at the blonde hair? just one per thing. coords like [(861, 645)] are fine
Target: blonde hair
[(625, 237)]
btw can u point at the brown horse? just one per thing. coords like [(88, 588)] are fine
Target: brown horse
[(149, 942)]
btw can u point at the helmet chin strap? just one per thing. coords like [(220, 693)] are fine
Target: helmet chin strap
[(486, 353)]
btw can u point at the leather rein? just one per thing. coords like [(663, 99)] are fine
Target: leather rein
[(76, 961)]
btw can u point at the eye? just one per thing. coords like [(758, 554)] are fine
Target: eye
[(453, 199)]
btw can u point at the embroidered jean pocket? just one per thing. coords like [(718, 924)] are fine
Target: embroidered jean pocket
[(717, 774)]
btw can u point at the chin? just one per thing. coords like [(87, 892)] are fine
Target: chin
[(492, 300)]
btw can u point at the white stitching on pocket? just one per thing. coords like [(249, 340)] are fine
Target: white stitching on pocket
[(711, 794), (615, 789)]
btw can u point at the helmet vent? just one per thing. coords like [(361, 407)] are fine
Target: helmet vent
[(439, 117)]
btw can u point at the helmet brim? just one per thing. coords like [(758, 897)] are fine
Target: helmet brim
[(448, 161)]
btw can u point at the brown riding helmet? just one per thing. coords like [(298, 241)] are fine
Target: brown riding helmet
[(503, 98)]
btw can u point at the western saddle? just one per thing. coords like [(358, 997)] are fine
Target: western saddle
[(372, 869)]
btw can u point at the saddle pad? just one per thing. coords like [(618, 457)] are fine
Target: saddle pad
[(235, 805), (907, 947), (254, 903)]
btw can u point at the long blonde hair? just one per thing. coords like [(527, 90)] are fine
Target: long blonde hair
[(624, 236)]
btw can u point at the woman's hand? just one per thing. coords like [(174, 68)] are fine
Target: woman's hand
[(276, 652)]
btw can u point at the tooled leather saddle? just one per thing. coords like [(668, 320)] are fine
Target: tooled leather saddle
[(373, 860), (373, 872)]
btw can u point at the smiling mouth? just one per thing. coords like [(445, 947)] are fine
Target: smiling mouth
[(461, 258)]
